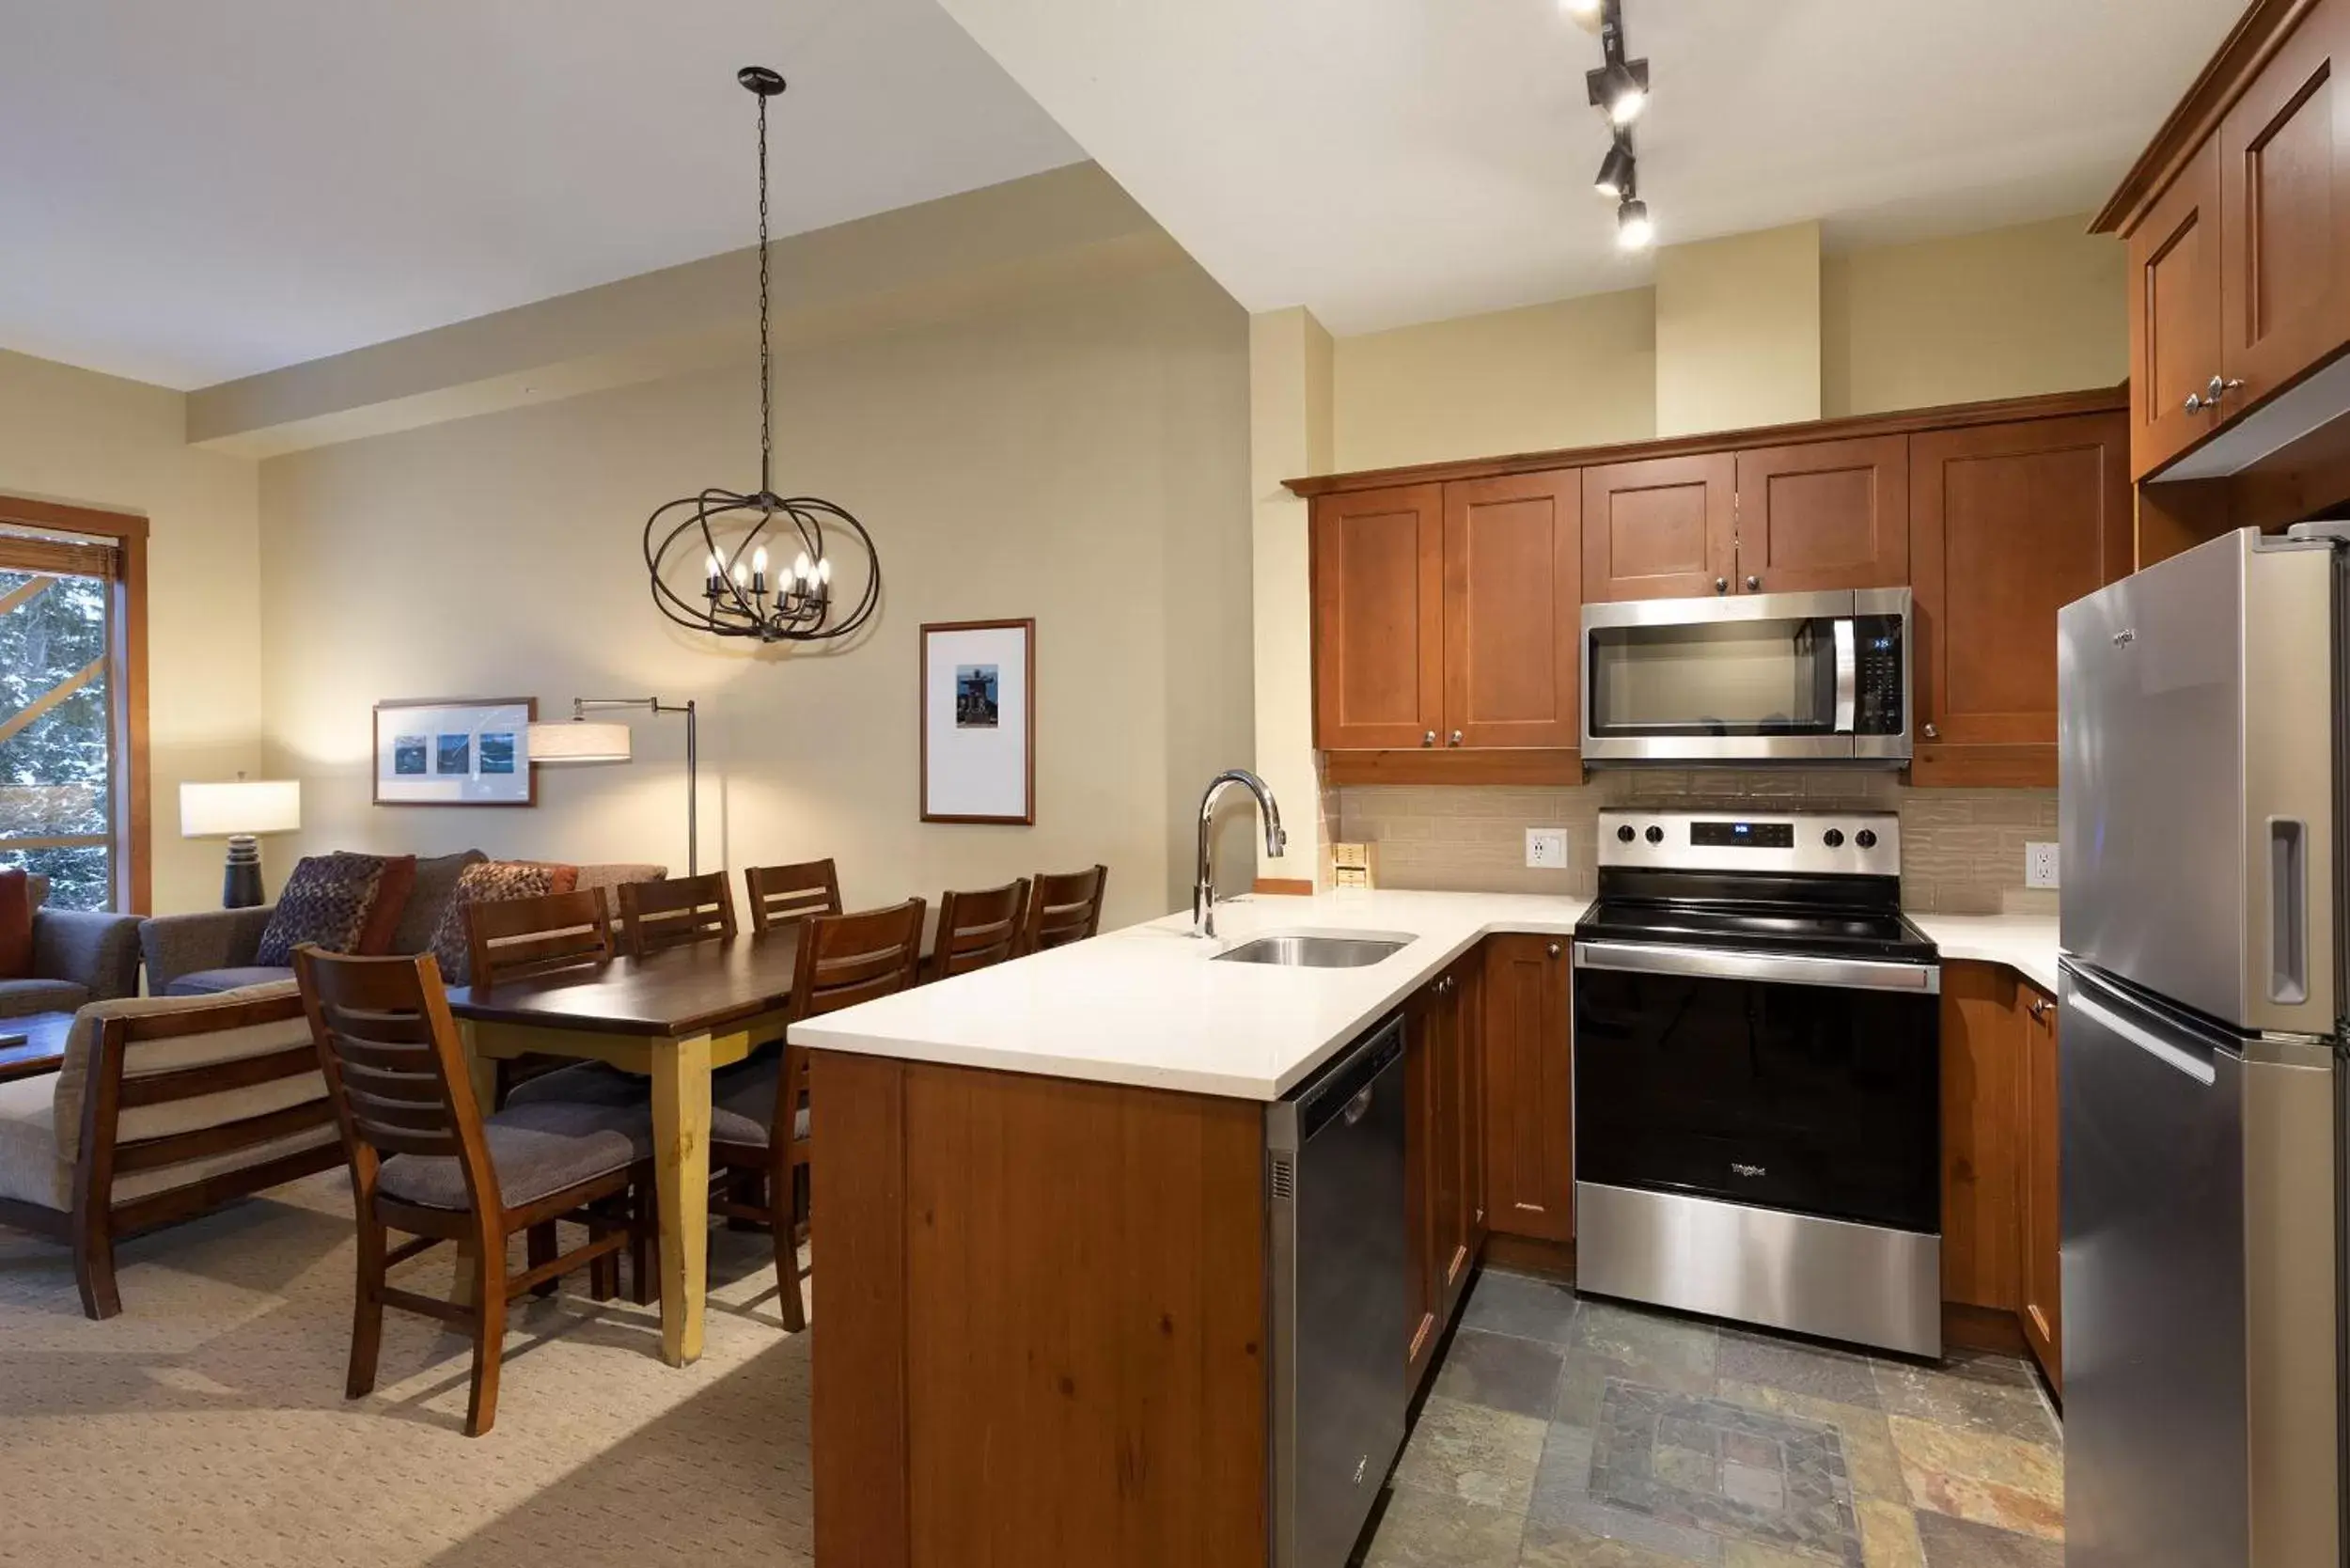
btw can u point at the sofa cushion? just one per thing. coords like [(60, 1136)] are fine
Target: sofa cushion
[(428, 900), (30, 1170), (326, 901), (212, 982), (537, 1150), (391, 902), (488, 882), (21, 996)]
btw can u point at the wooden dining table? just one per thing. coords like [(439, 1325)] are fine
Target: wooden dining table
[(672, 1016)]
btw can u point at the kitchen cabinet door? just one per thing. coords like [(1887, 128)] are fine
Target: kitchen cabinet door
[(2039, 1270), (2284, 212), (1823, 515), (1419, 1179), (1983, 1105), (2009, 523), (1512, 604), (2174, 276), (1378, 618), (1529, 1089), (1470, 1028), (1659, 529)]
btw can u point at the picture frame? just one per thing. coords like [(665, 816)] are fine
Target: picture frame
[(979, 722), (455, 751)]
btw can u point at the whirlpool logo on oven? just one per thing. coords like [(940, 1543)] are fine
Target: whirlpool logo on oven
[(1749, 1171)]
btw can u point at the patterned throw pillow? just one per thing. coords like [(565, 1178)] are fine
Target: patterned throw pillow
[(484, 882), (327, 900)]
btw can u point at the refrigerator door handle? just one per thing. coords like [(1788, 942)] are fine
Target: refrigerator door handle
[(2288, 910)]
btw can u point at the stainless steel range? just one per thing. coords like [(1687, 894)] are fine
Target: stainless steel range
[(1758, 1076)]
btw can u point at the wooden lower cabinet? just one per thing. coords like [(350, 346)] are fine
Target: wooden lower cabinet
[(1529, 1088), (2042, 1233)]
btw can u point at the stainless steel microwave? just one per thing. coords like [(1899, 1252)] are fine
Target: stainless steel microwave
[(1757, 678)]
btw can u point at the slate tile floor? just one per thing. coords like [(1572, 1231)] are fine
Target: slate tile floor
[(1568, 1434)]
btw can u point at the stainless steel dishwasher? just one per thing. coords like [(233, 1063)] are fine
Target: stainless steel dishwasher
[(1340, 1316)]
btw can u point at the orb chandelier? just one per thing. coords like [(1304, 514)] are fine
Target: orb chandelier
[(765, 571)]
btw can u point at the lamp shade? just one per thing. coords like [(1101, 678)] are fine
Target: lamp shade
[(579, 741), (245, 805)]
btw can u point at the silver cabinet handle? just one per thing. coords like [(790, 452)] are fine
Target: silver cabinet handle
[(1554, 949), (1429, 738), (1721, 584), (1456, 737), (1930, 732), (2218, 388), (1754, 584), (2195, 403)]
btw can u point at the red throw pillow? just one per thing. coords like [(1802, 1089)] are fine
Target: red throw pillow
[(16, 925), (391, 901)]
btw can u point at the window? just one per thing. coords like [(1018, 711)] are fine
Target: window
[(72, 769)]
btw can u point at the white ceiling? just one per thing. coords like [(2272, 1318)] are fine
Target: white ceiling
[(191, 193), (1392, 161)]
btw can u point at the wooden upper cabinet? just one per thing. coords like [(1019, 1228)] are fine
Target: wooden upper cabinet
[(1659, 529), (1513, 622), (2174, 316), (1529, 1088), (2009, 524), (1378, 618), (2284, 204), (1821, 515)]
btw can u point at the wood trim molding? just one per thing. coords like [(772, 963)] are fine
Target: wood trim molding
[(135, 883), (1449, 765), (2058, 405), (2254, 41), (1285, 887)]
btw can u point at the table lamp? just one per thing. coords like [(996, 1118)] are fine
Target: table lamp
[(240, 811)]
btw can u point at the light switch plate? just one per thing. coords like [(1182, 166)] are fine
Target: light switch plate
[(1546, 848), (2040, 865)]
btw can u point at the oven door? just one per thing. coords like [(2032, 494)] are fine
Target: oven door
[(1788, 677), (1790, 1082)]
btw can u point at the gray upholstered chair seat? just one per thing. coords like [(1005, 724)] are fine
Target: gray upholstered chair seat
[(743, 1102), (590, 1083), (537, 1150), (21, 996), (211, 982)]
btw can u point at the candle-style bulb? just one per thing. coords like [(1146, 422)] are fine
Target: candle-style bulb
[(800, 566), (824, 572), (739, 573), (759, 562)]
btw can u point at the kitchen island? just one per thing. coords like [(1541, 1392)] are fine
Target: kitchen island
[(1040, 1251)]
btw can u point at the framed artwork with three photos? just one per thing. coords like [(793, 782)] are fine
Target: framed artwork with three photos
[(455, 751), (979, 722)]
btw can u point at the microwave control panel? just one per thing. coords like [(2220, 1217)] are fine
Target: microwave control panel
[(1878, 663)]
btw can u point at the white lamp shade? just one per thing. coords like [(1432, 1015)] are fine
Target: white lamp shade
[(579, 741), (246, 806)]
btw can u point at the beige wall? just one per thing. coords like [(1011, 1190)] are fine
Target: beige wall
[(1290, 435), (2038, 307), (1078, 455), (1738, 331), (72, 435)]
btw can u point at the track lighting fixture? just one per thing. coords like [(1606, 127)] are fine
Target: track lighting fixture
[(1620, 88), (1616, 171), (1633, 230)]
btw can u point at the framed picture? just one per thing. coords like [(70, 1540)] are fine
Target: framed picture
[(455, 751), (979, 722)]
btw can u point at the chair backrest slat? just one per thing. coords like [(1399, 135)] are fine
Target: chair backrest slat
[(395, 1066), (782, 894), (978, 929), (1064, 907), (674, 910), (513, 938)]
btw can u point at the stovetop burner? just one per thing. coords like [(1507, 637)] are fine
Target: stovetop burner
[(1759, 927)]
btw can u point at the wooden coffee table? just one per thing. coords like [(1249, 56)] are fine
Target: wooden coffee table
[(43, 1047)]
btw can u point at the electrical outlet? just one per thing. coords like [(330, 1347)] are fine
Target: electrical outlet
[(2040, 865), (1546, 848)]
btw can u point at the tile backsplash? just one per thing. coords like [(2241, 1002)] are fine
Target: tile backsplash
[(1962, 850)]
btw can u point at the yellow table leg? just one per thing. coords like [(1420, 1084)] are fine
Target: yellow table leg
[(681, 1134)]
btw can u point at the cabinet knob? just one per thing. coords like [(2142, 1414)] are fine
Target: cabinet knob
[(1554, 949), (1721, 584), (2195, 402), (1456, 737), (1930, 732), (1753, 583), (1429, 738)]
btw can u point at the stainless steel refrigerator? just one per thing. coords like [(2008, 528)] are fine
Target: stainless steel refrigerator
[(2201, 1057)]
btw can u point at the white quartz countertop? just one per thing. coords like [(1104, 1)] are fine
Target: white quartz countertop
[(1147, 1005)]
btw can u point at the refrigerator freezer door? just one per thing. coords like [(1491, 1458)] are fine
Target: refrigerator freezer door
[(2197, 770), (2156, 1430)]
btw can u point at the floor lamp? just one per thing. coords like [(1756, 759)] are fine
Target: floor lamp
[(582, 740)]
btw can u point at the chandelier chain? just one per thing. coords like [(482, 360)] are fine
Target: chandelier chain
[(766, 412)]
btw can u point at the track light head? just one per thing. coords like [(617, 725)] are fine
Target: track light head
[(1617, 172), (1584, 13), (1620, 88), (1633, 230)]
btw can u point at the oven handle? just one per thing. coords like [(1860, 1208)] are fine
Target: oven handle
[(1854, 974), (1847, 674)]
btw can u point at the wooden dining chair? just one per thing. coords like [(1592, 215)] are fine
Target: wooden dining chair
[(674, 910), (782, 894), (975, 930), (424, 1161), (762, 1126), (1064, 907), (511, 939)]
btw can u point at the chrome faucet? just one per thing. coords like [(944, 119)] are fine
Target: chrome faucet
[(1204, 890)]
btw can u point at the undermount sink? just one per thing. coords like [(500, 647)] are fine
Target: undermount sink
[(1307, 951)]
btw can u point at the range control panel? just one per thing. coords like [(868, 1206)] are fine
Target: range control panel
[(1854, 843)]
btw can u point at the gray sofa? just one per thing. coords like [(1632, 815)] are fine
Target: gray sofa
[(79, 956), (202, 954)]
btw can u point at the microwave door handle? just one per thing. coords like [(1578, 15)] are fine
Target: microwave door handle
[(1847, 674)]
